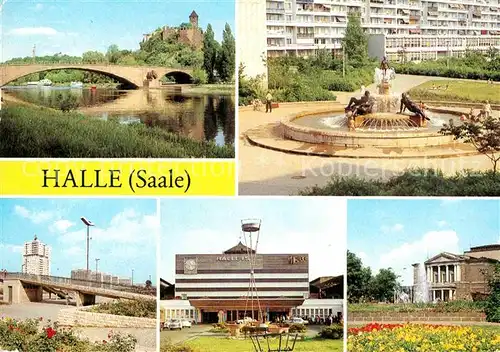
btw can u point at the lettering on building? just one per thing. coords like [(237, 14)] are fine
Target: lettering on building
[(232, 258), (297, 259)]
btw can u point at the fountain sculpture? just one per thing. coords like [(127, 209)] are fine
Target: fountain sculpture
[(379, 111), (381, 123), (421, 292)]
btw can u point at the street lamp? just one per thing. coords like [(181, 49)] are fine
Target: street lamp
[(132, 277), (96, 264), (87, 223)]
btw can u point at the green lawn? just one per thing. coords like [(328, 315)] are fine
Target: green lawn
[(214, 344), (459, 91)]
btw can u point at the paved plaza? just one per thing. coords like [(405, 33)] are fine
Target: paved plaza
[(264, 171)]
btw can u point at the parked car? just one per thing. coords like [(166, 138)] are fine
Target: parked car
[(186, 323), (296, 320), (175, 324), (245, 320)]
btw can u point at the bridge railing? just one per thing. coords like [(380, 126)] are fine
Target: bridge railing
[(80, 282), (76, 63)]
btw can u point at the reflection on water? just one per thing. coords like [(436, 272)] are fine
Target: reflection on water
[(199, 116)]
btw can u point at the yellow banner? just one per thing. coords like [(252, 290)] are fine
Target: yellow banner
[(117, 178)]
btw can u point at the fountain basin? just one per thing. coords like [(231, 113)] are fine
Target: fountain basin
[(303, 128)]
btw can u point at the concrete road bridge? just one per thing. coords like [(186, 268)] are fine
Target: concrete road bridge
[(130, 76), (22, 288)]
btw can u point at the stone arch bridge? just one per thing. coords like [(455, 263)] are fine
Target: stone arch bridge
[(131, 76)]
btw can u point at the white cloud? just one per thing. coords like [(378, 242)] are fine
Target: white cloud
[(363, 256), (11, 248), (73, 251), (61, 225), (36, 217), (448, 201), (24, 31), (393, 228), (442, 223), (125, 228), (431, 244)]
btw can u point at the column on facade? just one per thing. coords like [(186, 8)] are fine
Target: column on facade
[(459, 273), (442, 294), (447, 273), (439, 274), (433, 295), (450, 295)]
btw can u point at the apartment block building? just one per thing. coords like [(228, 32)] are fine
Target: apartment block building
[(36, 258), (413, 29)]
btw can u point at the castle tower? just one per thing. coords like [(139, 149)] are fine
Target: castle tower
[(193, 19)]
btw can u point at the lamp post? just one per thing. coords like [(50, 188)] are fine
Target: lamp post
[(87, 223), (96, 264), (132, 277)]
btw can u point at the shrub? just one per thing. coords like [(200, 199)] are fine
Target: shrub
[(301, 328), (199, 76), (492, 308), (168, 346), (136, 308), (29, 336), (334, 332), (413, 182)]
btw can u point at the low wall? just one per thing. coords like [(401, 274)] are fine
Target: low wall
[(81, 317), (358, 140), (422, 316)]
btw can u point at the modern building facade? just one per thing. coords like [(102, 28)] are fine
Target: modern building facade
[(251, 43), (36, 258), (410, 29), (215, 287), (459, 276)]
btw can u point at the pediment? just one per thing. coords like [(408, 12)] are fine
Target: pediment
[(444, 258)]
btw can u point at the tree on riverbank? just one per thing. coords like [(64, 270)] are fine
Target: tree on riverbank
[(226, 57), (210, 49)]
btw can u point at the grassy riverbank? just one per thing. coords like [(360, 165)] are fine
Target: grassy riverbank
[(38, 132), (211, 89)]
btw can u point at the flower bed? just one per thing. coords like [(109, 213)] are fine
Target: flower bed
[(32, 335), (423, 338)]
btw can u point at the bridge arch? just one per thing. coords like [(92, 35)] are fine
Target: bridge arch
[(131, 76), (180, 77)]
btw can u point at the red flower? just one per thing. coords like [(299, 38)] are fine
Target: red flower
[(104, 341), (50, 332), (11, 327)]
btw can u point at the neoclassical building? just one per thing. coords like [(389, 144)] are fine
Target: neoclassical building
[(458, 276)]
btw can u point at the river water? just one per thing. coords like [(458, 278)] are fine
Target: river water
[(208, 117)]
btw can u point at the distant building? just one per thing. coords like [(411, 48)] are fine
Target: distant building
[(36, 258), (81, 274), (459, 276), (189, 34)]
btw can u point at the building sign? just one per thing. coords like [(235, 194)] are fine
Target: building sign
[(190, 266), (297, 259), (233, 258)]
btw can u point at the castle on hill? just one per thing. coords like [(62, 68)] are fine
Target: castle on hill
[(189, 34)]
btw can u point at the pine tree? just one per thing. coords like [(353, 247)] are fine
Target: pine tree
[(226, 58)]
